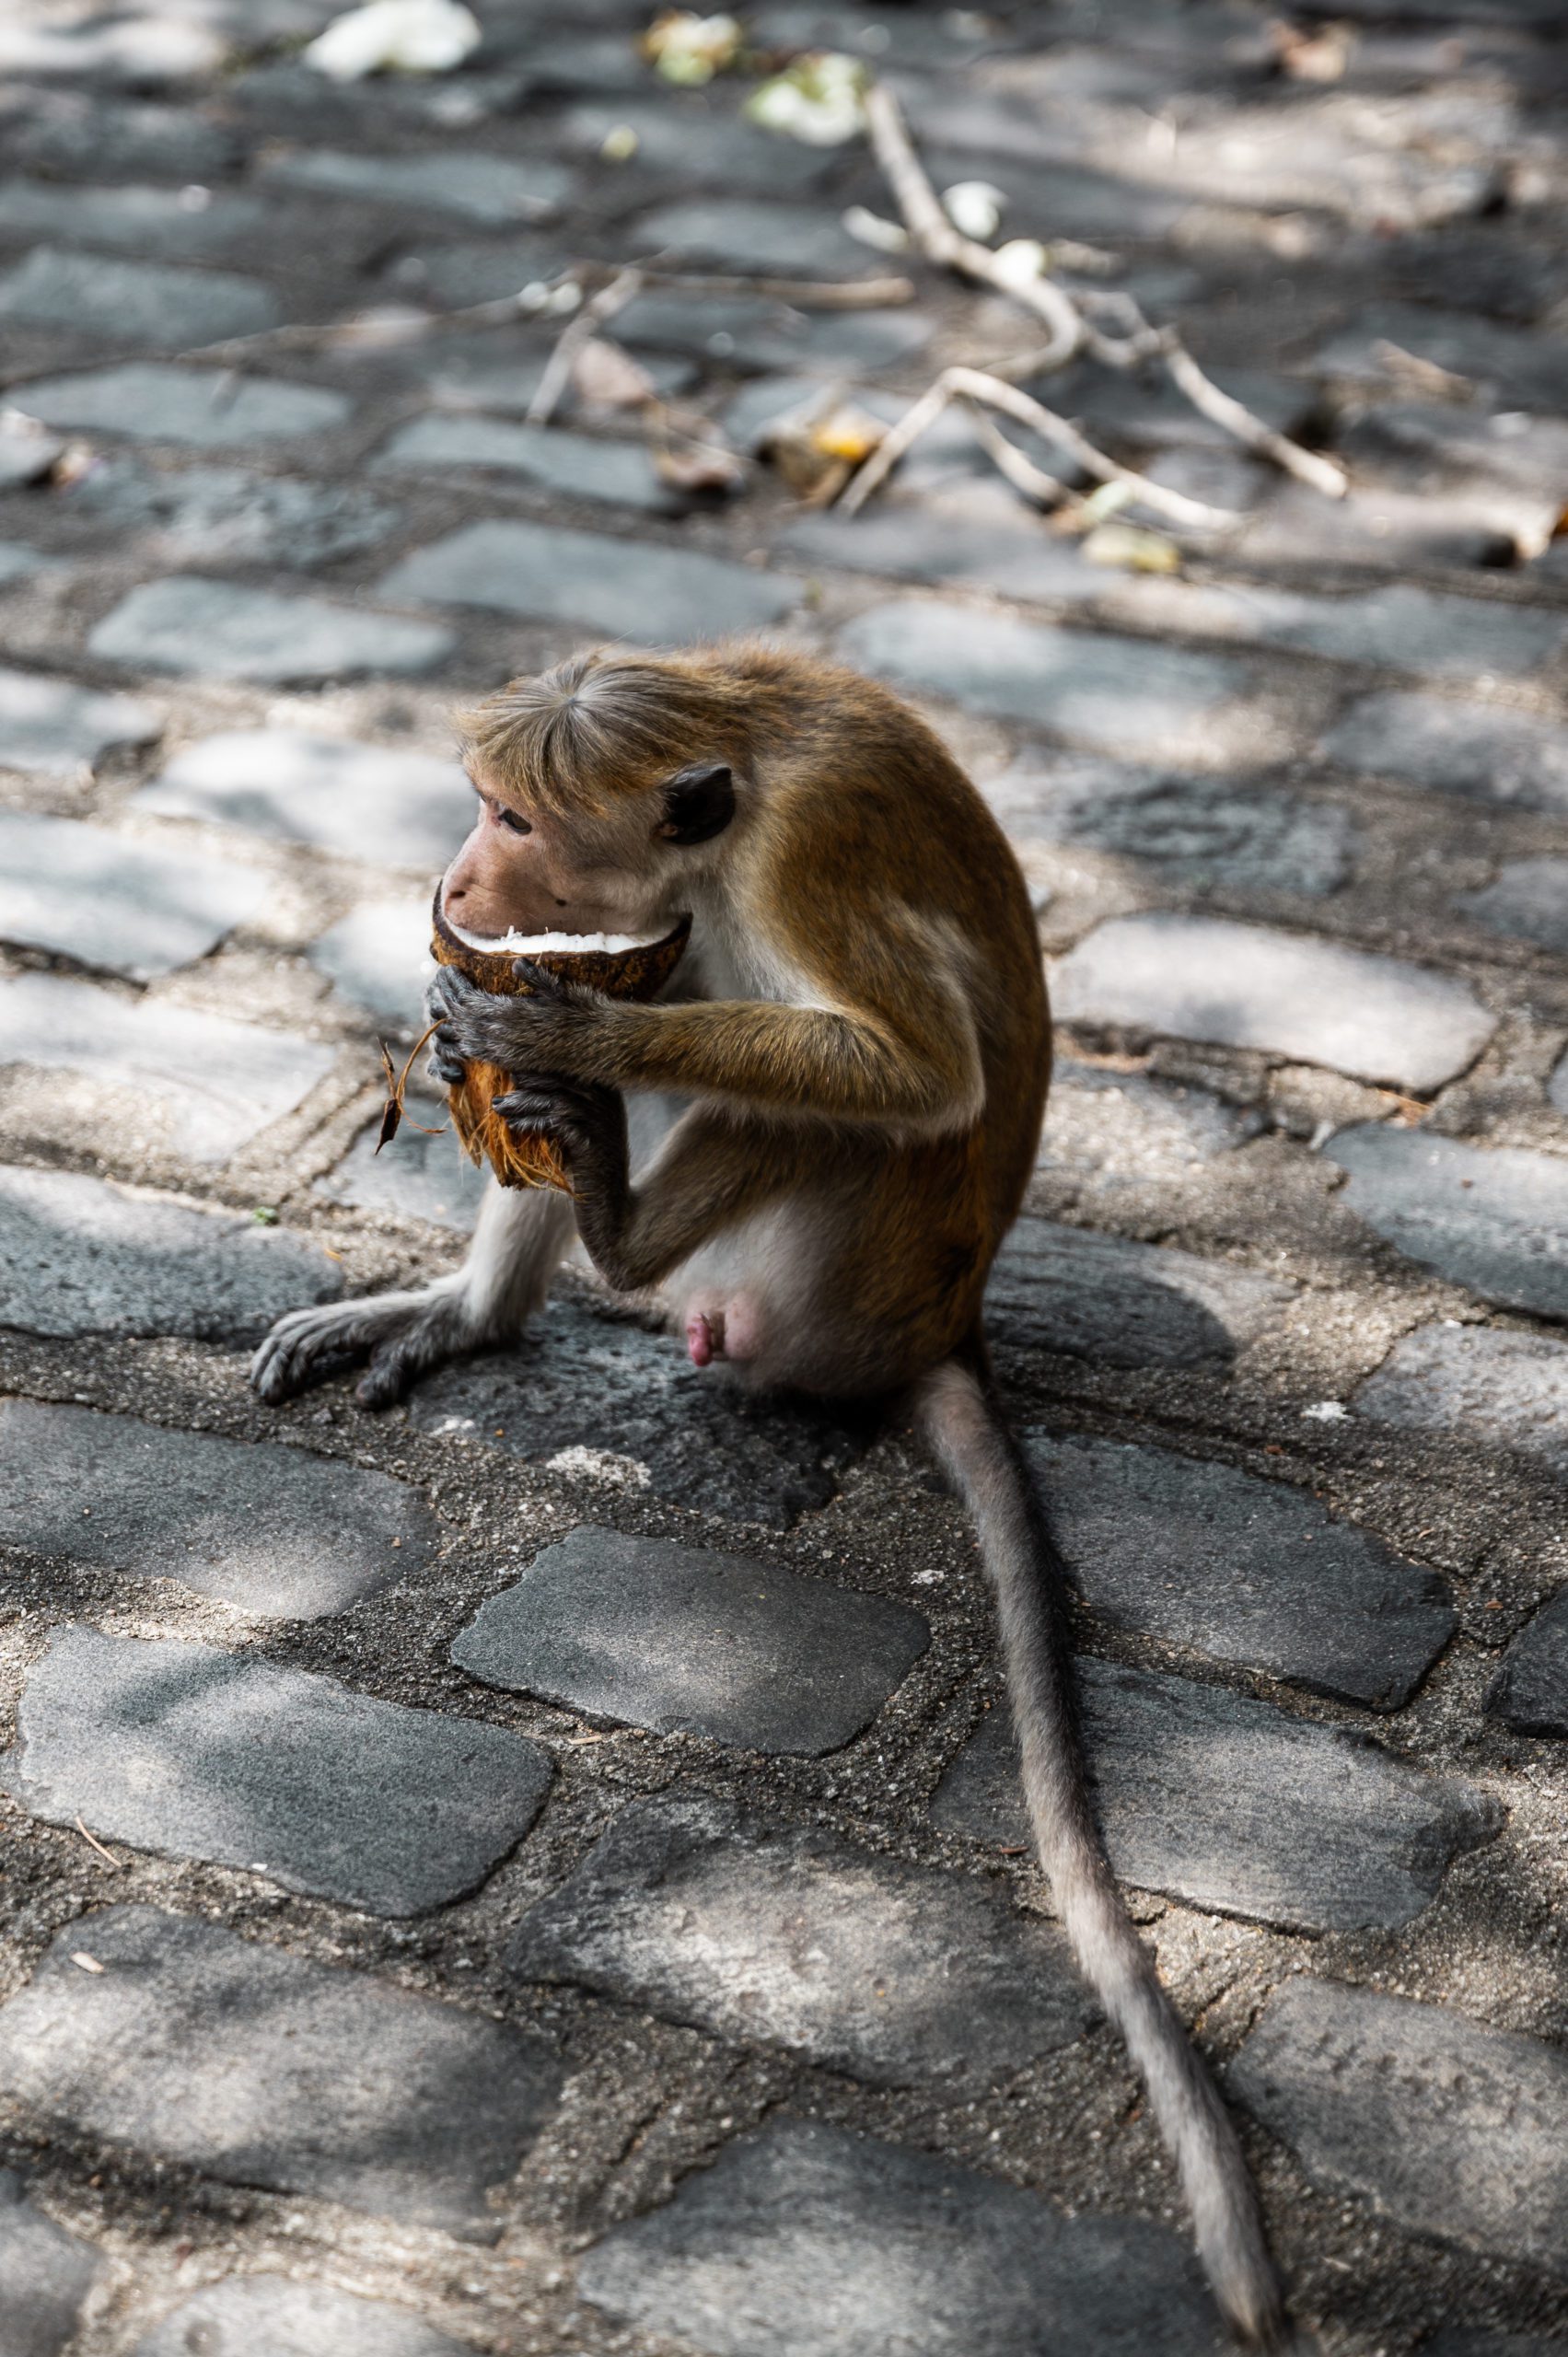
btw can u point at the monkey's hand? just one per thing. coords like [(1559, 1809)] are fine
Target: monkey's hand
[(538, 1034), (587, 1125), (443, 1063)]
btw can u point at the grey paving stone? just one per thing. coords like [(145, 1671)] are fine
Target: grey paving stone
[(1454, 2342), (1245, 986), (1480, 751), (136, 908), (1529, 898), (805, 2240), (221, 630), (16, 562), (1401, 628), (221, 515), (45, 2275), (696, 144), (379, 955), (925, 543), (77, 133), (747, 233), (1443, 2124), (1111, 691), (211, 1085), (1125, 1127), (199, 1753), (415, 1178), (134, 302), (1494, 1218), (1525, 369), (271, 2315), (79, 1257), (1506, 1390), (369, 802), (1531, 1689), (50, 725), (1210, 831), (1248, 1570), (470, 185), (790, 1937), (749, 333), (1232, 1804), (1148, 412), (1557, 1088), (462, 381), (152, 222), (209, 408), (487, 271), (577, 466), (1073, 1290), (630, 587), (1528, 454), (682, 1639), (259, 2069), (280, 1533), (590, 1383)]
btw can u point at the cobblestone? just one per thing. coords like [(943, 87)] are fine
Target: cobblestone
[(895, 1975), (78, 1256), (805, 2241), (136, 302), (45, 2275), (357, 799), (584, 1382), (1483, 753), (1494, 1219), (1342, 2074), (133, 908), (1231, 1804), (416, 1177), (187, 1749), (1133, 1305), (273, 1530), (1531, 1689), (1216, 1559), (494, 190), (229, 632), (48, 726), (259, 2068), (581, 577), (268, 2316), (1529, 898), (1504, 1389), (1203, 977), (681, 1639), (205, 408)]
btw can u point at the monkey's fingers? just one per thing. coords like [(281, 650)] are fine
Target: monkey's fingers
[(542, 980), (443, 1062)]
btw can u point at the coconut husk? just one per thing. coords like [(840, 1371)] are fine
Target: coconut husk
[(640, 973)]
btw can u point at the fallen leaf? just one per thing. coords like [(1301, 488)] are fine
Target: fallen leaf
[(974, 208), (607, 378), (875, 230), (87, 1963), (700, 466), (848, 433), (395, 36), (689, 49), (1131, 548), (819, 99)]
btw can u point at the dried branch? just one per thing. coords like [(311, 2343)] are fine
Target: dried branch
[(1046, 491), (579, 329), (1073, 331), (941, 243), (995, 392)]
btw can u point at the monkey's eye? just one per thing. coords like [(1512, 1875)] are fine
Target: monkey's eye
[(512, 819), (699, 803)]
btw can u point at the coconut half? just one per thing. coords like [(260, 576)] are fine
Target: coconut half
[(621, 964)]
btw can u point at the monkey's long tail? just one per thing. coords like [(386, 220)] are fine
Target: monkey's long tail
[(980, 1453)]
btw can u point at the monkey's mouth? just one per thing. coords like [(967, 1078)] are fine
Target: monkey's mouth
[(626, 964)]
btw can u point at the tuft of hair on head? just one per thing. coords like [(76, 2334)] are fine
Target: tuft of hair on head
[(606, 725)]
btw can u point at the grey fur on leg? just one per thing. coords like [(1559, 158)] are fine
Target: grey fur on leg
[(516, 1247), (978, 1449)]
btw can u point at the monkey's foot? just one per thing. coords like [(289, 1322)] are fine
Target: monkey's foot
[(403, 1334)]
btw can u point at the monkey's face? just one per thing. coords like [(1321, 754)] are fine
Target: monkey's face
[(627, 871)]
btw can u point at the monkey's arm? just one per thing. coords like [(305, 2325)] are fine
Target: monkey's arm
[(923, 1068)]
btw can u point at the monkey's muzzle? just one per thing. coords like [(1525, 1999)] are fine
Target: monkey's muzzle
[(621, 968)]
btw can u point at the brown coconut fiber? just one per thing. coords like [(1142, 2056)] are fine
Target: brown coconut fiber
[(524, 1160)]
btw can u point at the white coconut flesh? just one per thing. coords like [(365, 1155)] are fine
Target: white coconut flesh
[(513, 943)]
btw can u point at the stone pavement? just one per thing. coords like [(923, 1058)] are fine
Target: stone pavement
[(540, 1872)]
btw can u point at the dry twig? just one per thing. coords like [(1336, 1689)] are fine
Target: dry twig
[(93, 1841), (1072, 335), (995, 392), (580, 329)]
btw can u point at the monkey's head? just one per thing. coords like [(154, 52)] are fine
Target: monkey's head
[(606, 789)]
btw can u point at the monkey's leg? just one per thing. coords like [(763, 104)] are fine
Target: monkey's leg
[(710, 1171), (516, 1246)]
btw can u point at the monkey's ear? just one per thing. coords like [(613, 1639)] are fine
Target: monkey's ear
[(699, 803)]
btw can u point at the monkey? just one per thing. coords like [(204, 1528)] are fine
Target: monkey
[(862, 1047)]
